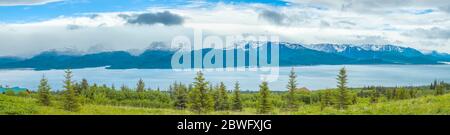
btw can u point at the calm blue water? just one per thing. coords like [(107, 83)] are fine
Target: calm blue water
[(312, 77)]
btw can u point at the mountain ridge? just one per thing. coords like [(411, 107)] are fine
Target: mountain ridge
[(291, 54)]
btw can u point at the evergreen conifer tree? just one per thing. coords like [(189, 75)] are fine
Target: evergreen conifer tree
[(200, 99), (223, 95), (180, 93), (292, 86), (237, 103), (326, 99), (113, 88), (216, 96), (343, 97), (44, 92), (140, 86), (265, 104), (439, 88), (71, 101), (84, 86)]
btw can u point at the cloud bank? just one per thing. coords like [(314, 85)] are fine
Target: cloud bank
[(166, 18), (418, 24)]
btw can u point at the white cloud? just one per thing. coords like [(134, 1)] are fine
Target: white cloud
[(305, 21), (25, 2), (432, 33)]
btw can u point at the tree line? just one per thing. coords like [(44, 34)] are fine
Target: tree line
[(202, 97)]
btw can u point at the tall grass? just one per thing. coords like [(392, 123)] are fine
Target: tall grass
[(434, 105)]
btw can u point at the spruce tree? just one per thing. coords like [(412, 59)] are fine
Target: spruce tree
[(113, 88), (200, 99), (223, 95), (140, 86), (292, 86), (326, 99), (84, 86), (71, 101), (124, 88), (216, 96), (237, 103), (265, 104), (439, 88), (343, 94), (77, 88), (180, 93), (190, 87), (434, 84), (431, 86), (44, 92), (195, 104), (172, 90)]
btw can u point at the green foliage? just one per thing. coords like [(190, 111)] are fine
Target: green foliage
[(402, 93), (222, 98), (153, 99), (84, 87), (292, 86), (44, 92), (265, 103), (10, 92), (434, 84), (23, 94), (374, 96), (71, 101), (200, 100), (215, 95), (195, 104), (343, 97), (326, 99), (127, 97), (140, 86), (101, 99), (427, 105), (440, 88), (88, 91), (16, 106), (124, 88), (181, 96), (237, 101)]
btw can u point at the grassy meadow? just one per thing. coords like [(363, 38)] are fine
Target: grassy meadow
[(436, 105), (201, 97)]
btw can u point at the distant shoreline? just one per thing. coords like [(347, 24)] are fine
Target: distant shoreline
[(108, 67)]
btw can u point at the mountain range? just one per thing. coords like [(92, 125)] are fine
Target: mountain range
[(291, 54)]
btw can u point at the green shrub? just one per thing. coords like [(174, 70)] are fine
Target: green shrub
[(16, 106), (10, 93)]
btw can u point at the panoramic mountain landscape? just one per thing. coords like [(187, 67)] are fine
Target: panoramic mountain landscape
[(290, 55), (173, 57)]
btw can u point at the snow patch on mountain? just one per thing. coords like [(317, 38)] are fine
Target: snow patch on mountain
[(335, 48)]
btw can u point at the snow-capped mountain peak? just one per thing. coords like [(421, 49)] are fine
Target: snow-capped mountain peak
[(331, 48), (336, 48)]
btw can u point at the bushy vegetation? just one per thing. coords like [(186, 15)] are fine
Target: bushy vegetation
[(437, 105), (203, 97)]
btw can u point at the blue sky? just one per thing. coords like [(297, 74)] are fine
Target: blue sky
[(73, 8), (27, 13)]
